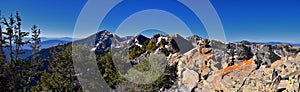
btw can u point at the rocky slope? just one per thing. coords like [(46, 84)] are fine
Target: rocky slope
[(243, 67), (203, 65)]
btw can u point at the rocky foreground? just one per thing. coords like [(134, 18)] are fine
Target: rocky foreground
[(198, 71), (202, 65)]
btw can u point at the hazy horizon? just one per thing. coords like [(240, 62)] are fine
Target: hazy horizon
[(253, 20)]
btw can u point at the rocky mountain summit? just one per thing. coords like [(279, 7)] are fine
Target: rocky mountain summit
[(202, 65)]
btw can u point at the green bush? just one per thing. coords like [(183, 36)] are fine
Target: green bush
[(144, 65), (134, 52), (151, 46)]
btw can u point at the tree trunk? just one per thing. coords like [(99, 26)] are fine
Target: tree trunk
[(2, 55), (10, 51)]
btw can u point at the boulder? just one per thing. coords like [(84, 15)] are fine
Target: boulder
[(190, 79)]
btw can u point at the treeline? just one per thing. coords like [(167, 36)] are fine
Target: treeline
[(54, 73)]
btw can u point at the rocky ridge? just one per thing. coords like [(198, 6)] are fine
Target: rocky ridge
[(243, 67), (209, 65)]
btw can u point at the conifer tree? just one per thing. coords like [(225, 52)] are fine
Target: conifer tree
[(19, 35), (2, 55), (9, 35), (35, 41)]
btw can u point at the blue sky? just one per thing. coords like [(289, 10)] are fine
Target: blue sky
[(254, 20)]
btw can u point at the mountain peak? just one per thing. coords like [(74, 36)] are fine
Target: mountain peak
[(245, 42), (103, 42)]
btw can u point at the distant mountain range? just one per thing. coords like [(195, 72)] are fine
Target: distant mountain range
[(60, 38), (276, 43), (46, 43), (268, 43)]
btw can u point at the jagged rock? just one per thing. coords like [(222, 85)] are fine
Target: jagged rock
[(138, 39), (190, 79), (174, 58), (243, 52), (265, 54), (166, 44), (204, 43), (284, 50), (219, 57), (193, 39), (282, 75), (183, 44)]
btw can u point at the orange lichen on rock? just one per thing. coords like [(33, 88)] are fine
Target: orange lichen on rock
[(233, 75), (237, 66)]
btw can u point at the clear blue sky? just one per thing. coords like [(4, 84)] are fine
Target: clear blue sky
[(254, 20)]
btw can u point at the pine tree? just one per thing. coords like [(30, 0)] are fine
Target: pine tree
[(61, 76), (36, 40), (8, 35), (2, 55), (13, 35), (19, 35)]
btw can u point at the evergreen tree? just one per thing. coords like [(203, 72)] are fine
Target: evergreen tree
[(14, 75), (9, 35), (2, 55), (60, 75), (36, 40), (19, 35)]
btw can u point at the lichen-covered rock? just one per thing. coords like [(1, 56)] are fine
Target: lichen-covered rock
[(233, 77)]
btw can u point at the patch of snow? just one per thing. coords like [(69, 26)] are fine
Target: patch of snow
[(160, 38), (117, 46), (277, 54), (93, 49), (167, 46), (138, 45)]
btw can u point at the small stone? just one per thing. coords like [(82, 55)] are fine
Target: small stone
[(282, 84)]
